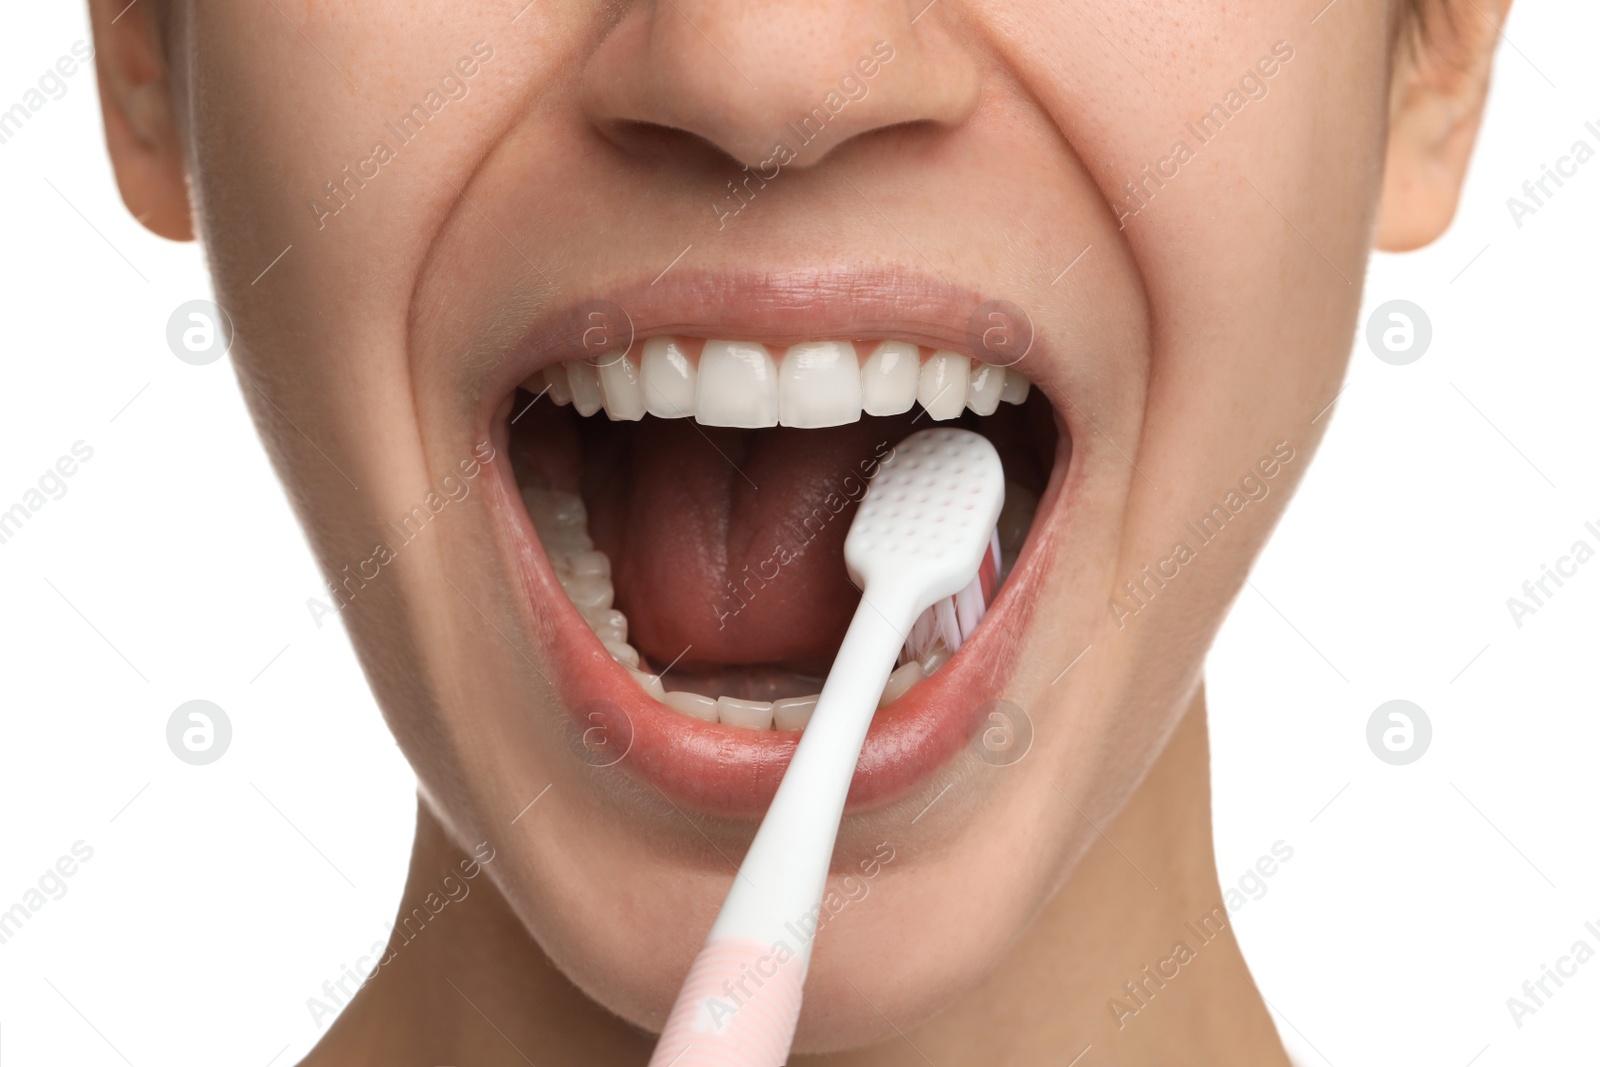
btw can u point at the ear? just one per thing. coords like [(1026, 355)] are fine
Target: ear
[(141, 129), (1441, 81)]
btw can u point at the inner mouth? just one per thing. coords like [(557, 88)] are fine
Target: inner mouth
[(693, 498)]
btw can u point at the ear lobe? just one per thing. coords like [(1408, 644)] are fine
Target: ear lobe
[(141, 128), (1441, 84)]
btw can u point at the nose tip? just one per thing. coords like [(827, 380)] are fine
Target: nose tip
[(765, 81)]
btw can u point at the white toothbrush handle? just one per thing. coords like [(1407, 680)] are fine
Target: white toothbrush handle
[(741, 1001)]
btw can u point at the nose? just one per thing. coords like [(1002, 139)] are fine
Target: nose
[(749, 76)]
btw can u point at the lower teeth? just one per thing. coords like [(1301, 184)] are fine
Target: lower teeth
[(561, 521)]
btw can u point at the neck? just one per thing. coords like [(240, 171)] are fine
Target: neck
[(1133, 958)]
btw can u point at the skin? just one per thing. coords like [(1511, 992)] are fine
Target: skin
[(1189, 342)]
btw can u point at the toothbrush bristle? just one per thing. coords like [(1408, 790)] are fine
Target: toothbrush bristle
[(948, 627), (952, 620)]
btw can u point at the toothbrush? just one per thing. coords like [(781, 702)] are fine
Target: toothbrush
[(923, 550)]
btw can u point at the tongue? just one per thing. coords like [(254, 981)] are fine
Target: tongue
[(730, 543)]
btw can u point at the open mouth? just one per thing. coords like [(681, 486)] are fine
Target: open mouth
[(691, 497)]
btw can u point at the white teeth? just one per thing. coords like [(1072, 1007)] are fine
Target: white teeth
[(669, 378), (984, 386), (584, 380), (560, 520), (814, 384), (650, 683), (1015, 390), (567, 509), (584, 564), (902, 679), (621, 388), (589, 594), (609, 625), (819, 384), (567, 540), (555, 377), (793, 713), (750, 714), (942, 388), (585, 577), (564, 539), (738, 386), (693, 705), (626, 655), (937, 657), (889, 379)]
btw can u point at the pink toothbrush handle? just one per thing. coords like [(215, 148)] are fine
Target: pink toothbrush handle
[(737, 1008)]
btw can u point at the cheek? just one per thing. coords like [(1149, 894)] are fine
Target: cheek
[(1250, 257)]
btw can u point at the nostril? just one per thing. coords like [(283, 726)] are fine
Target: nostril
[(656, 143), (808, 75)]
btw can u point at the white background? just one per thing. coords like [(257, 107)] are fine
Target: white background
[(219, 898)]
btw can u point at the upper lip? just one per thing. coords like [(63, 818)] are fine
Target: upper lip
[(724, 769), (775, 307)]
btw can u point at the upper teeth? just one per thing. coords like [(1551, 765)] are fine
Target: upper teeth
[(741, 383), (812, 384)]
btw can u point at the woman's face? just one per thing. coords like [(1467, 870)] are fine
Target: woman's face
[(411, 208)]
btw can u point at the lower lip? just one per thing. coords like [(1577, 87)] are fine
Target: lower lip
[(732, 771)]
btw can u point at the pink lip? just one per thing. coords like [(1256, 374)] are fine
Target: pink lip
[(727, 770), (778, 308)]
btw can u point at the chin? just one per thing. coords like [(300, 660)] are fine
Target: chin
[(667, 475)]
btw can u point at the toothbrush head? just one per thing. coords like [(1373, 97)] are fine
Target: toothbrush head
[(926, 526), (945, 627)]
